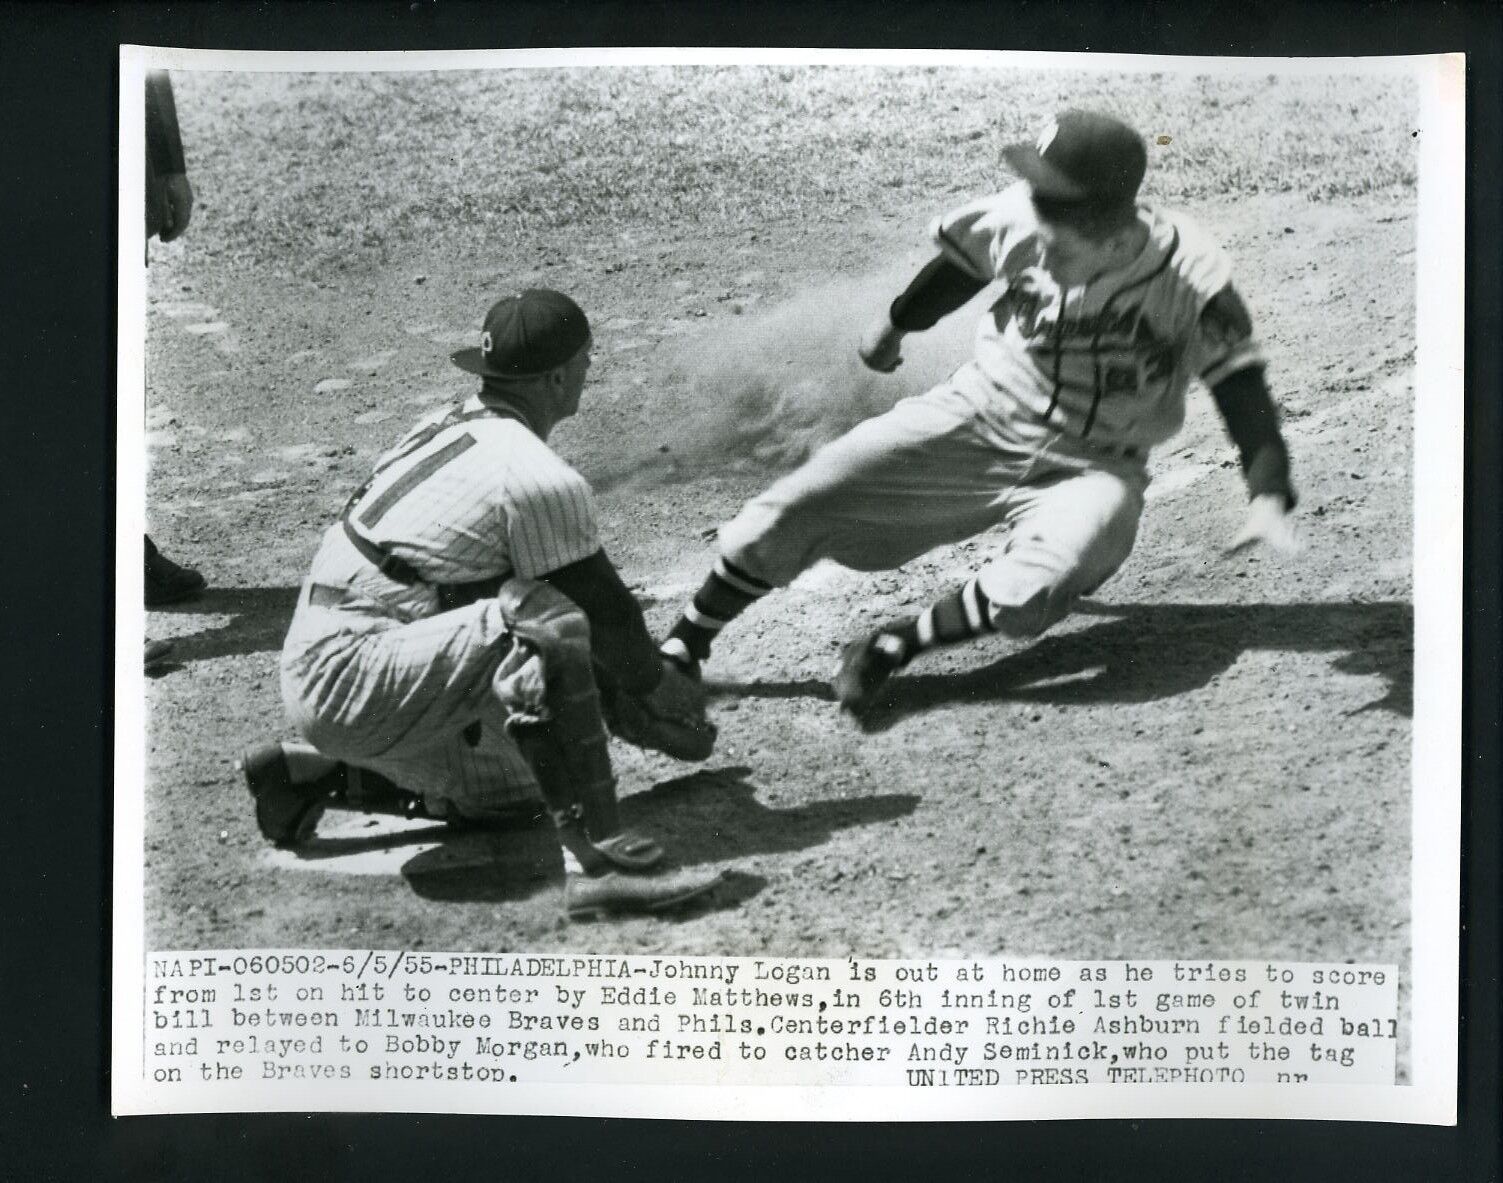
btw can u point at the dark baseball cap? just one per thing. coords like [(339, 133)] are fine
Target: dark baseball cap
[(1083, 156), (530, 333)]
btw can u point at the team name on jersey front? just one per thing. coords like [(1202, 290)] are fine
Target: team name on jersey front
[(1108, 361)]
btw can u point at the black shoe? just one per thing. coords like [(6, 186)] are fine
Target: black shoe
[(285, 812), (865, 666), (157, 652), (167, 583)]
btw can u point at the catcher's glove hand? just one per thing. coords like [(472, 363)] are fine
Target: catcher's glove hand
[(670, 720)]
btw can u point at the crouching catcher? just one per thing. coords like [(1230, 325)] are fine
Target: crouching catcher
[(462, 640)]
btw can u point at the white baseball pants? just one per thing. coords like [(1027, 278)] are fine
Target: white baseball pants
[(934, 470)]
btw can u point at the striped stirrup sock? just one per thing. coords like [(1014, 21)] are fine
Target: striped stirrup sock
[(726, 592), (961, 615)]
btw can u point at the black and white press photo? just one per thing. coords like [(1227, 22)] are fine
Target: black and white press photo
[(789, 571)]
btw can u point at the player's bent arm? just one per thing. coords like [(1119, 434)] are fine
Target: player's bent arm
[(1252, 420), (619, 640), (937, 290)]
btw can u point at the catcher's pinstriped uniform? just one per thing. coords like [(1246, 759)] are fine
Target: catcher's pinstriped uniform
[(375, 672), (463, 642), (1081, 366)]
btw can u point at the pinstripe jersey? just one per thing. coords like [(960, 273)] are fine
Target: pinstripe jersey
[(385, 677), (482, 498), (1108, 361)]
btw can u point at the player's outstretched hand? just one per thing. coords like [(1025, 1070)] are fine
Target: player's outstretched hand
[(881, 349), (1269, 522)]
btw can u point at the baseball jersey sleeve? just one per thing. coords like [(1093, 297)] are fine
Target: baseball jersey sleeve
[(976, 236), (549, 511), (1222, 341)]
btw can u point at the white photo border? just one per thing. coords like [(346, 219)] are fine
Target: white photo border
[(1436, 753)]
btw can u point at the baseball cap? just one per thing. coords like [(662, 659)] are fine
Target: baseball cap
[(1083, 156), (529, 333)]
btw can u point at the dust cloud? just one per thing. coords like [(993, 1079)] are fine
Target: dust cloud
[(761, 392)]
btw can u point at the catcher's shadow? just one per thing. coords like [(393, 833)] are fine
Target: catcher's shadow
[(1145, 652), (708, 816), (713, 814), (258, 620)]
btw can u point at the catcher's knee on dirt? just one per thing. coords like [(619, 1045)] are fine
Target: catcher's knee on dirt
[(558, 726)]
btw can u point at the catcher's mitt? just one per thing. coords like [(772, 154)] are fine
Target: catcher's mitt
[(670, 720)]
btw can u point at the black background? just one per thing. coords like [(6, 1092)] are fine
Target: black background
[(58, 78)]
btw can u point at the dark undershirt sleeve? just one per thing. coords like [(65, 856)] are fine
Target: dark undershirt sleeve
[(936, 291), (619, 640), (1252, 421)]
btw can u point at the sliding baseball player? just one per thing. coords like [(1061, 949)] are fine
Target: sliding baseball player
[(1105, 309)]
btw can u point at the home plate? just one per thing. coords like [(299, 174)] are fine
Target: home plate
[(440, 861)]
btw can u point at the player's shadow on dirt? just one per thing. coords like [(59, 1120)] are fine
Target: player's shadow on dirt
[(258, 623), (713, 814), (709, 816), (1145, 652)]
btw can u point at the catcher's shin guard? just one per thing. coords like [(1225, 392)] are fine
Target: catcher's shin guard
[(567, 746)]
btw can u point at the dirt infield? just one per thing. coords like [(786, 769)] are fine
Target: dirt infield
[(1210, 760)]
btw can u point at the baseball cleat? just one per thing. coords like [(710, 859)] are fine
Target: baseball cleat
[(167, 582), (865, 666), (285, 812), (157, 652), (591, 897)]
